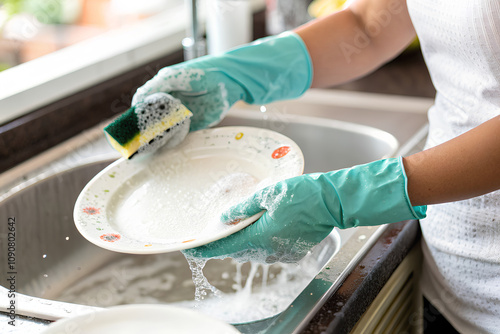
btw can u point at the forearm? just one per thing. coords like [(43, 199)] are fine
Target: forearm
[(355, 41), (464, 167)]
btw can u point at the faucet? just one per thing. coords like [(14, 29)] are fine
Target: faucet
[(194, 45)]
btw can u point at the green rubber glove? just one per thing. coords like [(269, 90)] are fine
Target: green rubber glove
[(303, 210), (270, 69)]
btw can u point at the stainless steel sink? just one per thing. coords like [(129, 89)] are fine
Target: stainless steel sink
[(55, 262), (58, 273)]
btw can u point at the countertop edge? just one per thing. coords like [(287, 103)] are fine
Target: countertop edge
[(342, 311)]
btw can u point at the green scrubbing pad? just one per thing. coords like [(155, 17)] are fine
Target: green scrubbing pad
[(124, 128)]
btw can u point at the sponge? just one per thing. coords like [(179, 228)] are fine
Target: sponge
[(160, 120)]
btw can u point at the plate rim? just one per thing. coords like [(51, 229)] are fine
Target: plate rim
[(120, 310)]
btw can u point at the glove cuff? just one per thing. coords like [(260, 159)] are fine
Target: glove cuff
[(419, 212), (269, 69), (373, 194), (306, 61)]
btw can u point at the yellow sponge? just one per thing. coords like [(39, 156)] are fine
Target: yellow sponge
[(158, 120)]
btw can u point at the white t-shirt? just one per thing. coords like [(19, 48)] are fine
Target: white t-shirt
[(460, 42)]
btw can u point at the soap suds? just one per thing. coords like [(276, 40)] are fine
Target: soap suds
[(169, 79), (191, 85), (272, 196), (181, 201), (152, 112)]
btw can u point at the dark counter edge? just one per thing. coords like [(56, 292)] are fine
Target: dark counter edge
[(342, 310)]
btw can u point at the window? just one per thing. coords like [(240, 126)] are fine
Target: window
[(55, 59), (74, 44), (34, 28)]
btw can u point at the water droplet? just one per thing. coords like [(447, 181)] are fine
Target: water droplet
[(67, 238), (44, 256), (263, 109), (45, 275), (362, 237)]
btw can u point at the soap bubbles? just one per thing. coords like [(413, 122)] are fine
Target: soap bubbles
[(152, 114)]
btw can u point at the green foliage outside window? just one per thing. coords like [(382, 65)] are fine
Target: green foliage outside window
[(45, 11)]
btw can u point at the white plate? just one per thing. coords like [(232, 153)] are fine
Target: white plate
[(173, 200), (133, 319)]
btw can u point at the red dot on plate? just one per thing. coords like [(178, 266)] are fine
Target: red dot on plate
[(90, 210), (281, 152)]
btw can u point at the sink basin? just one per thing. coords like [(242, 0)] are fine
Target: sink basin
[(62, 274)]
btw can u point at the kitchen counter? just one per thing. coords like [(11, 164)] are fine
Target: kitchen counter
[(341, 311)]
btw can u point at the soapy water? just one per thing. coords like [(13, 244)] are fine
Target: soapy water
[(236, 292), (253, 300), (250, 301), (201, 284)]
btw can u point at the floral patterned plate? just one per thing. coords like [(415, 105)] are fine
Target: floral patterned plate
[(141, 318), (173, 199)]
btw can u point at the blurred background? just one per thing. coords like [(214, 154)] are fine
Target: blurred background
[(32, 28)]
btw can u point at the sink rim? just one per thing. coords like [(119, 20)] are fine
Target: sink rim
[(360, 129)]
